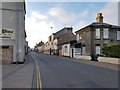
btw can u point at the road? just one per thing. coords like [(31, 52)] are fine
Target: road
[(62, 72)]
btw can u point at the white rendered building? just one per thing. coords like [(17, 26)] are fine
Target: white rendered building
[(12, 32)]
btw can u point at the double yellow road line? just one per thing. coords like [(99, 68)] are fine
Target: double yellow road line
[(39, 81)]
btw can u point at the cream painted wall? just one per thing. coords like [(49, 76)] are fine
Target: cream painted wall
[(67, 52), (13, 19)]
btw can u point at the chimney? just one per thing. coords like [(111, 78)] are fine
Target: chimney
[(99, 18)]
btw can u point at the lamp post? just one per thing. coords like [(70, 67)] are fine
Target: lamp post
[(81, 44)]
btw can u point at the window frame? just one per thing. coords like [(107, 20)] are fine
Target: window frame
[(104, 33), (118, 35), (97, 35), (98, 45), (65, 49)]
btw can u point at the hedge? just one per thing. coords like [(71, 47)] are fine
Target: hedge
[(112, 50)]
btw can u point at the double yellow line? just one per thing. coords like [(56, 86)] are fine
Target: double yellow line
[(39, 81)]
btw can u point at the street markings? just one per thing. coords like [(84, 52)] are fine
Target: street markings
[(39, 81)]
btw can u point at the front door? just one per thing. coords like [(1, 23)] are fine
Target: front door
[(7, 54), (72, 53)]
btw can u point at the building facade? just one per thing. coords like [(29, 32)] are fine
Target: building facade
[(68, 48), (94, 36), (12, 32), (64, 35), (56, 40)]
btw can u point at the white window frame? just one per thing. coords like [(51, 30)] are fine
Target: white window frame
[(77, 50), (77, 37), (97, 33), (84, 50), (118, 35), (105, 33), (97, 49), (65, 49)]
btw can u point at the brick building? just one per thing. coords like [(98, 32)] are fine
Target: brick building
[(63, 36), (94, 36), (56, 40)]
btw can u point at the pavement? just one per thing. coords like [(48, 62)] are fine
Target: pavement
[(94, 63), (110, 60), (18, 75)]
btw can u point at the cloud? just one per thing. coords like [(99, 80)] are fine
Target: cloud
[(84, 14), (37, 28), (39, 16), (80, 25), (110, 13), (61, 16), (55, 11)]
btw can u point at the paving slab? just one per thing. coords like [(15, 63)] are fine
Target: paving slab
[(18, 75)]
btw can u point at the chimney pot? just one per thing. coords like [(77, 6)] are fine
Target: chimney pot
[(99, 18)]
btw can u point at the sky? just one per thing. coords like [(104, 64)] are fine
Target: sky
[(41, 16)]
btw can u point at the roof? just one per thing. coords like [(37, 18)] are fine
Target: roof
[(96, 24), (70, 42), (61, 32)]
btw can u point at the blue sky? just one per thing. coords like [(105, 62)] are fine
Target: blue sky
[(41, 16)]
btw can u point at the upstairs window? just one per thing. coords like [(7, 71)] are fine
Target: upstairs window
[(105, 33), (118, 35), (77, 37), (97, 32)]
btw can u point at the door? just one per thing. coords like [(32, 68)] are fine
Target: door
[(7, 54), (72, 53)]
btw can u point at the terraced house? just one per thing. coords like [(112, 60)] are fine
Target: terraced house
[(92, 37), (56, 40), (12, 32)]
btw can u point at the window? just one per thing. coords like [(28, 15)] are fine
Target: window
[(97, 33), (83, 50), (5, 47), (65, 49), (97, 49), (118, 35), (77, 50), (77, 37), (105, 33)]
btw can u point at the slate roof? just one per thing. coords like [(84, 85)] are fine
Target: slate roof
[(96, 24)]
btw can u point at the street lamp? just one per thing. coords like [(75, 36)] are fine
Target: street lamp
[(81, 44)]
